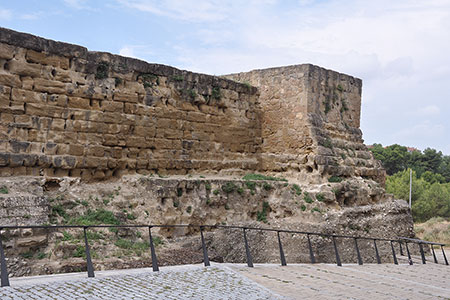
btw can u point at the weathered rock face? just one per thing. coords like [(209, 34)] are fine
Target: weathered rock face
[(66, 111), (310, 120), (22, 201), (70, 119), (139, 199)]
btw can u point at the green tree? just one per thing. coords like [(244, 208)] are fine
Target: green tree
[(431, 160), (398, 184), (434, 201), (394, 158), (432, 177), (444, 168)]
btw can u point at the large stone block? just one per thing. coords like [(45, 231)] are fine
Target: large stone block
[(76, 102), (112, 106), (46, 59), (10, 80), (6, 51), (24, 69)]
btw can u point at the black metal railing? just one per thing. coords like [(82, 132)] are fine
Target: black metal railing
[(249, 259)]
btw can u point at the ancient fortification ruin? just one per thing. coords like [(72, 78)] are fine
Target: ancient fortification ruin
[(72, 120), (67, 111)]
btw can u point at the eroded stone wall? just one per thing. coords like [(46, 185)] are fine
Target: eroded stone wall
[(65, 111), (310, 123)]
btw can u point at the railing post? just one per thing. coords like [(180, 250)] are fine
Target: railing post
[(409, 254), (360, 262), (445, 257), (393, 253), (247, 251), (434, 254), (152, 250), (4, 268), (422, 254), (282, 258), (205, 251), (338, 259), (90, 267), (376, 251), (311, 253), (401, 249)]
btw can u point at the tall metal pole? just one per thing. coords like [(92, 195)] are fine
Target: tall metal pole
[(410, 187)]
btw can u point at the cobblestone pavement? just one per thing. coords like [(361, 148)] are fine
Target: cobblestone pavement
[(183, 282), (369, 281), (237, 281)]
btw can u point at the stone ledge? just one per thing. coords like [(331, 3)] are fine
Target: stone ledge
[(32, 42)]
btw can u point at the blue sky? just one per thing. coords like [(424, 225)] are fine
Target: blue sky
[(400, 49)]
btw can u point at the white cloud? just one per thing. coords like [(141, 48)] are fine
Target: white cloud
[(127, 51), (399, 48), (5, 14), (137, 51), (422, 131), (188, 10), (31, 16), (430, 110), (78, 4)]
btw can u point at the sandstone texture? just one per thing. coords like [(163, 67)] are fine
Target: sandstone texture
[(93, 138), (310, 123), (66, 111), (195, 200)]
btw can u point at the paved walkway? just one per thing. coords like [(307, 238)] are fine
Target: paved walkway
[(181, 282), (237, 281), (325, 281)]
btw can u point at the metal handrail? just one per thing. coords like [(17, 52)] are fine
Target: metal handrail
[(249, 259), (420, 241)]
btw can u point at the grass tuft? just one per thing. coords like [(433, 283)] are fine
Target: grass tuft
[(253, 176)]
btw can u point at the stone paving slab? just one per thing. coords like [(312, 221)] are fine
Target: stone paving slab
[(181, 282), (369, 281), (237, 281)]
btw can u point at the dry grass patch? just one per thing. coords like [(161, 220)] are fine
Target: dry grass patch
[(436, 229)]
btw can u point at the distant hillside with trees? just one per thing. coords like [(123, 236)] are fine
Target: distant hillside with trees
[(431, 178)]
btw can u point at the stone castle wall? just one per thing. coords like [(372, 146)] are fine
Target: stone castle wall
[(310, 120), (65, 111)]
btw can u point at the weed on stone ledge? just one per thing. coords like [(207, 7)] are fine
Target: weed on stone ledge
[(229, 187), (335, 179), (320, 197), (261, 216), (267, 186), (216, 93), (296, 188), (192, 94), (102, 70), (251, 185), (4, 190), (178, 78), (316, 209), (307, 197), (253, 176)]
